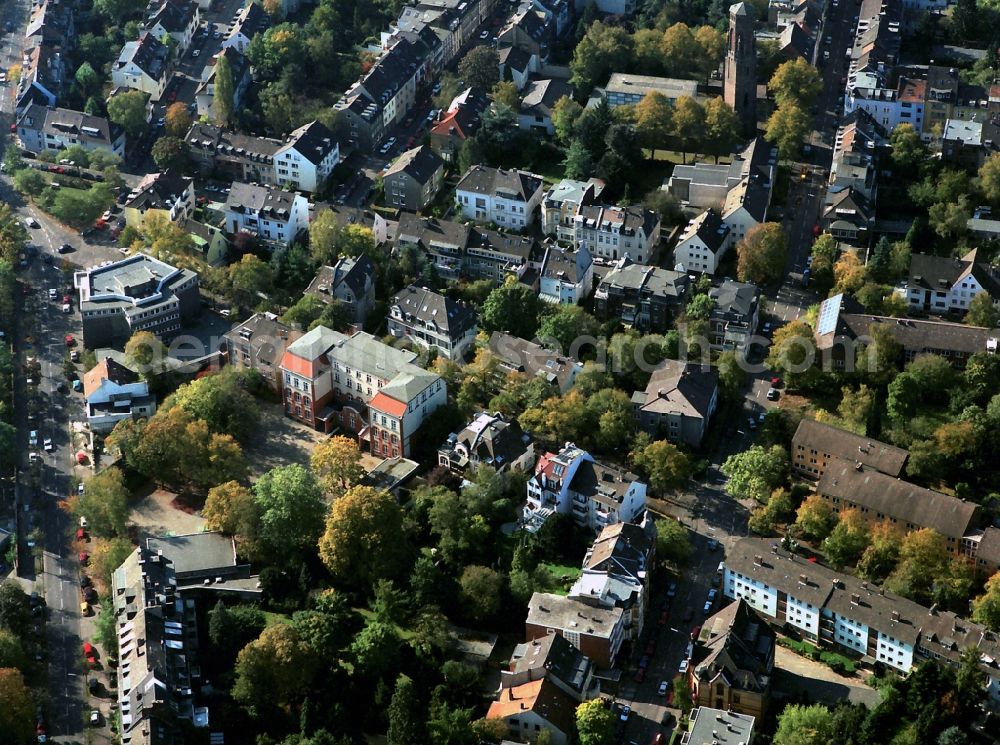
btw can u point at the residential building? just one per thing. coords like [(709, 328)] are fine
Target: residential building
[(165, 195), (527, 358), (746, 206), (306, 158), (733, 661), (562, 202), (967, 143), (143, 66), (249, 21), (870, 90), (739, 72), (154, 599), (553, 658), (846, 484), (488, 440), (302, 161), (443, 241), (43, 75), (847, 216), (43, 129), (52, 22), (113, 393), (433, 321), (938, 284), (531, 707), (616, 572), (623, 8), (597, 632), (350, 282), (796, 42), (506, 198), (566, 275), (571, 483), (518, 65), (612, 233), (458, 123), (239, 67), (678, 402), (641, 297), (138, 293), (208, 241), (414, 179), (858, 141), (177, 19), (815, 446), (537, 102), (273, 215), (853, 616), (702, 244), (704, 725), (331, 379), (259, 344), (527, 30), (627, 90), (491, 254), (735, 310)]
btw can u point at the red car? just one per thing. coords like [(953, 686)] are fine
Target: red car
[(89, 652), (70, 341), (84, 558), (775, 382), (695, 632), (81, 534)]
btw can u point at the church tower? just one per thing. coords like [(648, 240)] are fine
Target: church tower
[(739, 75)]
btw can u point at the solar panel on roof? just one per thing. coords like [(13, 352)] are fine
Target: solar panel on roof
[(829, 311)]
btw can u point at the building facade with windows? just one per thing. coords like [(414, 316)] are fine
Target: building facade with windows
[(274, 215), (433, 321), (508, 199)]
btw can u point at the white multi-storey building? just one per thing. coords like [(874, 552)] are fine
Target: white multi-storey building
[(274, 215), (507, 198)]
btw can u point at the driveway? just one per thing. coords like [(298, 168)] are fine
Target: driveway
[(280, 441), (156, 515)]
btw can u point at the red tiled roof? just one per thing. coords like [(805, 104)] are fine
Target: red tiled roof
[(297, 365), (382, 402)]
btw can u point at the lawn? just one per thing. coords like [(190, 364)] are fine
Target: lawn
[(272, 619), (561, 577)]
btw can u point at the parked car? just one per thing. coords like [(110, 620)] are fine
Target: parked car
[(95, 718), (712, 544), (47, 444), (625, 713), (64, 248), (644, 661), (683, 668), (772, 394), (662, 689), (671, 589)]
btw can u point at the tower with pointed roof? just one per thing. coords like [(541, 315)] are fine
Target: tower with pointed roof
[(739, 77)]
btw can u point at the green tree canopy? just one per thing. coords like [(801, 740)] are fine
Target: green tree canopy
[(291, 507), (804, 725), (756, 472), (513, 308), (761, 254), (595, 724)]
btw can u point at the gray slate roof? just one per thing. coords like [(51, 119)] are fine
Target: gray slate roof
[(840, 443)]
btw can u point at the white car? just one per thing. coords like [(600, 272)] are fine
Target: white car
[(196, 53), (67, 308), (52, 293), (32, 223), (95, 718), (83, 521), (662, 690), (79, 488), (33, 438), (47, 444), (683, 668)]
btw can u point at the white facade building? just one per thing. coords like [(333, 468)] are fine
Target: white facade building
[(507, 198), (275, 215)]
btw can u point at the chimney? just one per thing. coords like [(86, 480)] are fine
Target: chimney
[(855, 599), (803, 579), (895, 615)]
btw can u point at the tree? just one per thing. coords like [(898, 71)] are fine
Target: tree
[(713, 48), (722, 127), (128, 109), (882, 553), (804, 725), (274, 669), (989, 178), (848, 539), (778, 510), (673, 543), (177, 120), (145, 353), (986, 607), (856, 407), (450, 725), (732, 374), (13, 235), (87, 78), (908, 150), (815, 518), (667, 467), (104, 502), (223, 96), (795, 81), (653, 120), (482, 590), (602, 50), (249, 278), (107, 555), (565, 114), (15, 611), (682, 694), (291, 507), (404, 714), (355, 240), (222, 401), (506, 92), (982, 312), (689, 124), (231, 509), (376, 648), (364, 538), (324, 232), (17, 713), (578, 161), (755, 472), (611, 409), (849, 273), (336, 463), (568, 328), (682, 55), (170, 153), (231, 629), (513, 308), (761, 254), (480, 67), (792, 351), (595, 724), (29, 181), (923, 559), (787, 128)]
